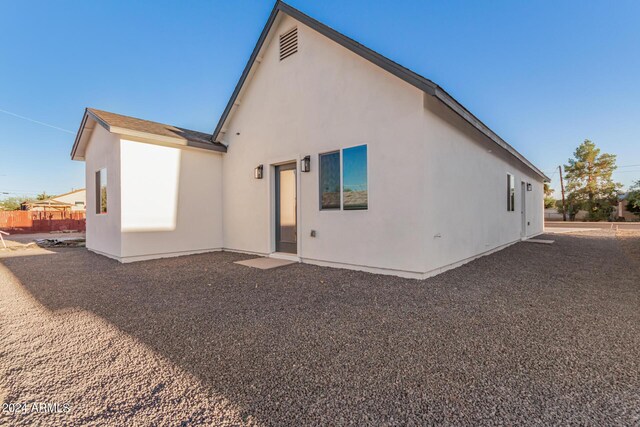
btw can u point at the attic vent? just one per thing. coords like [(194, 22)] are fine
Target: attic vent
[(288, 43)]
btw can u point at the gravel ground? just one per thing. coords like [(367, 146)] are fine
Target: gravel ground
[(534, 334), (630, 243)]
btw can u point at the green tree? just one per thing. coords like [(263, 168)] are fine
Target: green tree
[(572, 211), (633, 198), (43, 196), (589, 182), (12, 203), (549, 200)]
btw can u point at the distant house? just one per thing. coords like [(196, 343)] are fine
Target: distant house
[(622, 212), (552, 214), (619, 214), (327, 153), (73, 201)]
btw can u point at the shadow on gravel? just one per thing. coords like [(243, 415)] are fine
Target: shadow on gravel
[(532, 334)]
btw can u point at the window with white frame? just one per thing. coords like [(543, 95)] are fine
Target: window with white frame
[(343, 179), (101, 191)]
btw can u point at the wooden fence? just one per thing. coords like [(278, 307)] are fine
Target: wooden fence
[(41, 222)]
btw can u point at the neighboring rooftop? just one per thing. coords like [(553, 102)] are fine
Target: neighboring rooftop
[(132, 126), (46, 202), (69, 193)]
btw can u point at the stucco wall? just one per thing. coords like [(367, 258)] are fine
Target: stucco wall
[(103, 230), (437, 188), (171, 200), (321, 99), (73, 198), (437, 196), (467, 191)]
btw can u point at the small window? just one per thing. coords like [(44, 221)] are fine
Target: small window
[(101, 191), (354, 178), (79, 204), (288, 43), (352, 172), (330, 180), (511, 193)]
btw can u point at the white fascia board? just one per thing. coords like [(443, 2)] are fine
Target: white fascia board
[(147, 136)]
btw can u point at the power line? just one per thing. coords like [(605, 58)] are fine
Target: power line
[(19, 192), (35, 121), (618, 166)]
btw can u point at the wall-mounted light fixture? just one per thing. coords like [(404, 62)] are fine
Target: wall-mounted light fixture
[(305, 164), (257, 172), (529, 186)]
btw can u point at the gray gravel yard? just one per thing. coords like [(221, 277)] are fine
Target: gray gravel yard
[(534, 334)]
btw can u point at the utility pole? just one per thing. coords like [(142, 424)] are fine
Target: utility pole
[(564, 209)]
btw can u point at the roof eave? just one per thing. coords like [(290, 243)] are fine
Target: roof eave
[(184, 142), (459, 109), (245, 72), (383, 62), (88, 114), (76, 142)]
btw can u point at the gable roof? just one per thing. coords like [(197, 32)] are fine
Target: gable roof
[(131, 126), (69, 193), (47, 202), (383, 62), (53, 201)]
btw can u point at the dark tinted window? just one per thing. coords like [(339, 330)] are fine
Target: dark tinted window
[(330, 180), (511, 193), (101, 191)]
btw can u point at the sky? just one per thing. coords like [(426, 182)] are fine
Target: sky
[(354, 168), (544, 75)]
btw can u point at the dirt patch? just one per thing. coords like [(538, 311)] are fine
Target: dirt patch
[(61, 242)]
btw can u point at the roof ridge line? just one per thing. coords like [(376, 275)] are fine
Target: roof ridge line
[(400, 71)]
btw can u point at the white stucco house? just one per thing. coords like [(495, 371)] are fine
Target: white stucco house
[(327, 153), (73, 201)]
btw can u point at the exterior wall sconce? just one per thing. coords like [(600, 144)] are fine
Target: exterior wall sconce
[(257, 172), (305, 164), (529, 186)]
